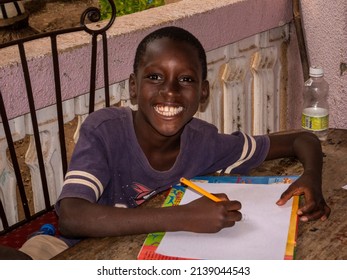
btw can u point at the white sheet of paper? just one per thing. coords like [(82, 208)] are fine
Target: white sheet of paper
[(261, 235)]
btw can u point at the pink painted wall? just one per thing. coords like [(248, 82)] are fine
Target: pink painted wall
[(325, 25), (215, 23)]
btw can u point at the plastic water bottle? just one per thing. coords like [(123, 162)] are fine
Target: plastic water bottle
[(315, 114)]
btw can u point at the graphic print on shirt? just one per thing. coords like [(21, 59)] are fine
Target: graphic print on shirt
[(141, 193)]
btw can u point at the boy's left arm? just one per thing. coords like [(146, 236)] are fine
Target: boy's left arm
[(307, 148)]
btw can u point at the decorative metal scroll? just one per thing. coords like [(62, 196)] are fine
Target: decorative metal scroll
[(94, 15)]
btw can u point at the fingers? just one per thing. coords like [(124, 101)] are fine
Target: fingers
[(211, 216), (314, 208), (311, 211), (232, 213), (232, 205), (235, 216), (221, 196), (230, 218)]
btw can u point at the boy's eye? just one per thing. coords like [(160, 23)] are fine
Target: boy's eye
[(154, 77), (186, 79)]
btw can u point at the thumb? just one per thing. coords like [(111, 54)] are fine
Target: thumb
[(286, 195)]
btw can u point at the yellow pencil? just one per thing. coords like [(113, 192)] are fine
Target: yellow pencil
[(199, 190)]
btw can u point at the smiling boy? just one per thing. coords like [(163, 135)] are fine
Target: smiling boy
[(125, 157)]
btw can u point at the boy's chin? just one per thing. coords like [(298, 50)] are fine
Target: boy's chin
[(170, 131)]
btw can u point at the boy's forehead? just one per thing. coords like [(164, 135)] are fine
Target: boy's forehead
[(164, 41), (167, 50), (169, 44)]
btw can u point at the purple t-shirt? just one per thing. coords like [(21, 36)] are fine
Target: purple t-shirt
[(109, 167)]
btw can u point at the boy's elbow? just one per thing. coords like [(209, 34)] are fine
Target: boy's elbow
[(308, 139), (307, 147), (292, 144), (66, 226), (68, 221)]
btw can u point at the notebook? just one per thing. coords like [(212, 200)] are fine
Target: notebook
[(259, 240)]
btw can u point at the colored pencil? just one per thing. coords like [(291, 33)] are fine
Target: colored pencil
[(199, 189)]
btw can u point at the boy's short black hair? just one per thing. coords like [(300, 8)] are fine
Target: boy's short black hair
[(176, 34)]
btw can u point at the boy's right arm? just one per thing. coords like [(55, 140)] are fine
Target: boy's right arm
[(81, 218)]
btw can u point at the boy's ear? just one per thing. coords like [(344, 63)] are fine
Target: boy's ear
[(205, 91), (132, 86)]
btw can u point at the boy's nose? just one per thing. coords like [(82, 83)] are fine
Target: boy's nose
[(170, 88)]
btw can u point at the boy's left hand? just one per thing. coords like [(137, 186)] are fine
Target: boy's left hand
[(315, 206)]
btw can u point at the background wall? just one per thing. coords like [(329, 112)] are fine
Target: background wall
[(325, 26)]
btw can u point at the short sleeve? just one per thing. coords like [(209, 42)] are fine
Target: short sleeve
[(252, 151), (88, 171)]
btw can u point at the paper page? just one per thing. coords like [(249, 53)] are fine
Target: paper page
[(261, 235)]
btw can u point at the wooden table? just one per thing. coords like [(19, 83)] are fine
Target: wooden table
[(316, 240)]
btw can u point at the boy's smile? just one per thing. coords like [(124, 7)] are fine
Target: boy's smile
[(168, 111), (168, 87)]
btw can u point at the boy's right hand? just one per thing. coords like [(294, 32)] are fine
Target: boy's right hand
[(206, 216)]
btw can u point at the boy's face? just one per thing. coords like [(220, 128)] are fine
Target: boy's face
[(168, 86)]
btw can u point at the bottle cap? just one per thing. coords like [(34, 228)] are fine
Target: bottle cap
[(47, 229), (316, 71)]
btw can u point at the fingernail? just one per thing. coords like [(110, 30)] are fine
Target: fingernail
[(304, 219)]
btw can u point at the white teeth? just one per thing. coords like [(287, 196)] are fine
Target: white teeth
[(168, 111)]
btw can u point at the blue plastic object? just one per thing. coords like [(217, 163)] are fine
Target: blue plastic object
[(46, 229)]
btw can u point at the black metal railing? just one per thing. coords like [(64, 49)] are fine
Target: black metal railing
[(93, 15)]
